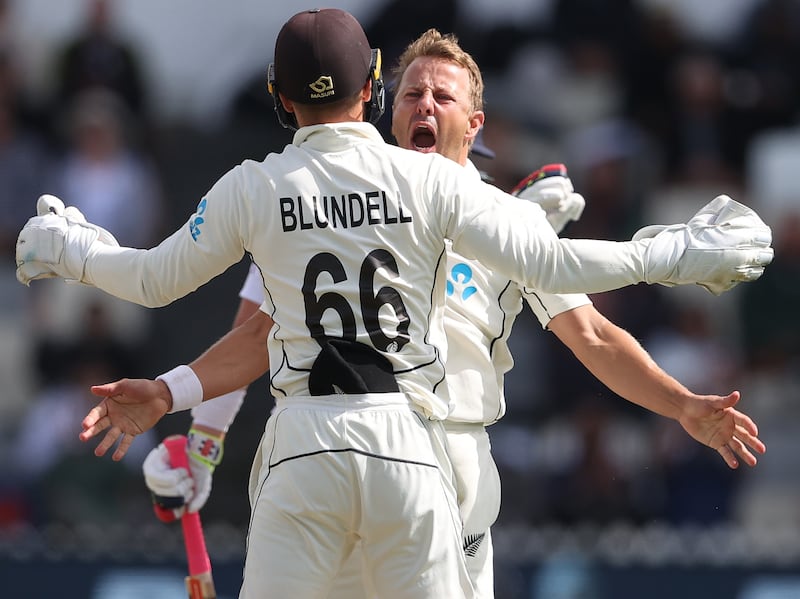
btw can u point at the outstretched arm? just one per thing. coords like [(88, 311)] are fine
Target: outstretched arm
[(131, 406), (622, 364), (723, 244)]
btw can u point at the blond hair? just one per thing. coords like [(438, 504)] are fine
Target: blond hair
[(434, 44)]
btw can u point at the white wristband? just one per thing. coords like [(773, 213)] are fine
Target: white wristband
[(185, 387)]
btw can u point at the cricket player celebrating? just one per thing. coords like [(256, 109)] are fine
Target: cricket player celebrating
[(438, 108), (349, 235)]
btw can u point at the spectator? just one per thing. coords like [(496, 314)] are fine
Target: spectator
[(105, 176), (25, 159), (704, 141), (764, 58), (769, 315), (98, 57)]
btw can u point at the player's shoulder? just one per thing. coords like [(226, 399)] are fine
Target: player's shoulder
[(404, 155), (425, 165), (272, 165), (247, 180)]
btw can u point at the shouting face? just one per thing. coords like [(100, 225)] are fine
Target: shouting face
[(432, 111)]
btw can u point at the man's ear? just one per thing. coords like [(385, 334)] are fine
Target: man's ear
[(474, 125), (366, 92), (287, 103)]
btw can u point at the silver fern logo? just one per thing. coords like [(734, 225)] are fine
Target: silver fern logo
[(472, 543)]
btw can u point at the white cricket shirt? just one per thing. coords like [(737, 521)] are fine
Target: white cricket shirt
[(480, 311), (348, 232)]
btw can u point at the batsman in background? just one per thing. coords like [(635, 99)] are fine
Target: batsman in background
[(355, 450), (438, 107)]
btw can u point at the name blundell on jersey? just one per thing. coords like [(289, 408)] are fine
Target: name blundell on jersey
[(353, 209)]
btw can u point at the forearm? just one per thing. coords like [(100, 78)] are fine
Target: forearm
[(215, 416), (567, 266), (594, 266), (618, 360), (154, 277), (237, 359), (531, 254)]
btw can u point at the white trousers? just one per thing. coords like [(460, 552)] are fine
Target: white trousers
[(478, 492), (338, 470)]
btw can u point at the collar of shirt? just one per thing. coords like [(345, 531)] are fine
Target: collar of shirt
[(346, 133)]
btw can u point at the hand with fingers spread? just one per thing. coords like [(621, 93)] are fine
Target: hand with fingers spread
[(129, 408), (714, 422)]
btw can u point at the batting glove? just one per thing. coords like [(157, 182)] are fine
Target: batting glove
[(57, 242), (724, 244), (551, 188), (175, 490)]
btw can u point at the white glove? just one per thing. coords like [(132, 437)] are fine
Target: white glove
[(56, 242), (551, 188), (724, 244), (174, 489)]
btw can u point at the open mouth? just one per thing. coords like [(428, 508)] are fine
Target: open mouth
[(423, 139)]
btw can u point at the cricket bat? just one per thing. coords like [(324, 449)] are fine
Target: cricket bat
[(199, 583)]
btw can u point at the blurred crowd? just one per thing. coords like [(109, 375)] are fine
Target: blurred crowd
[(652, 118)]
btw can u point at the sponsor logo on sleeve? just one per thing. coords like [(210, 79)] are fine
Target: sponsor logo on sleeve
[(198, 219)]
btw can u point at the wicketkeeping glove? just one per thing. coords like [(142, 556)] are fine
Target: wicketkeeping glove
[(724, 244), (57, 242), (175, 490), (551, 188)]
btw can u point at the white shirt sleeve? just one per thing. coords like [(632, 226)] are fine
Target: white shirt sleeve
[(207, 245), (546, 306), (253, 287), (489, 225)]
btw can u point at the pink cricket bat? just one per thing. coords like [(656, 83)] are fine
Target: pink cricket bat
[(199, 583)]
